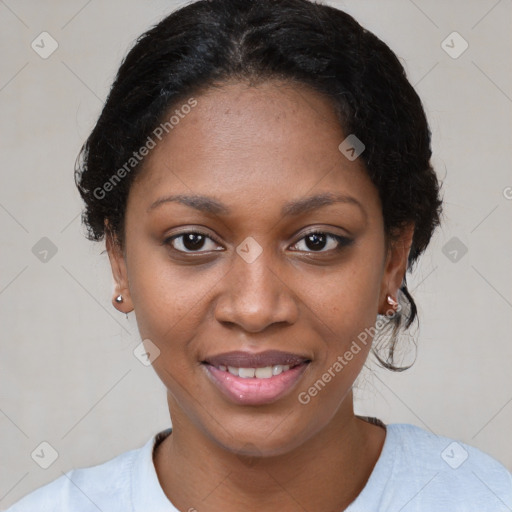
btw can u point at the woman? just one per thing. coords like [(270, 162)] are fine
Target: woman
[(261, 176)]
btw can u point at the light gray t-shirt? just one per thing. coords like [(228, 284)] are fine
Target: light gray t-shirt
[(416, 471)]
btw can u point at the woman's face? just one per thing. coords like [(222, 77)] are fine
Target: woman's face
[(253, 280)]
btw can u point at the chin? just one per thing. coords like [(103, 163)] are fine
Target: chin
[(266, 438)]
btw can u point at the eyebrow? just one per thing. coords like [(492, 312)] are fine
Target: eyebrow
[(202, 203), (292, 208), (307, 204)]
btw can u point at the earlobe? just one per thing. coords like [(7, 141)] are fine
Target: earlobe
[(395, 268), (121, 299)]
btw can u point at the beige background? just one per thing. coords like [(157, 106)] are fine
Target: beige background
[(68, 374)]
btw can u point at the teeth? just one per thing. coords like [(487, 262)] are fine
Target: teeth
[(279, 368), (264, 373), (259, 373), (246, 373)]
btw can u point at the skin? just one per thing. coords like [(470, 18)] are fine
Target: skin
[(254, 148)]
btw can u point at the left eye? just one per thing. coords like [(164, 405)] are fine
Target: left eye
[(190, 242), (318, 240)]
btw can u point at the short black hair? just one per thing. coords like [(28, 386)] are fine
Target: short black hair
[(210, 42)]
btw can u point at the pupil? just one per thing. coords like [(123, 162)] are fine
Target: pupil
[(193, 241), (318, 241)]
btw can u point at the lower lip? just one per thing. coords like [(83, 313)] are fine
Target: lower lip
[(254, 391)]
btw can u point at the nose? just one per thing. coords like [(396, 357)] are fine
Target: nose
[(256, 295)]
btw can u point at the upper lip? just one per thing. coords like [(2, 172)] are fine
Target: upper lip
[(241, 359)]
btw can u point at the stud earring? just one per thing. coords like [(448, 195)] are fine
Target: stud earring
[(119, 299), (391, 301)]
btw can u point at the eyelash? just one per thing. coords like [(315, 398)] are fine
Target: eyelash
[(342, 241)]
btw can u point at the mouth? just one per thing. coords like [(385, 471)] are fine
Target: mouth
[(255, 379)]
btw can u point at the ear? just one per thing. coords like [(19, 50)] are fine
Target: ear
[(395, 266), (119, 272)]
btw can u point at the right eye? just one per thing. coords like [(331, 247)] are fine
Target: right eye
[(189, 242)]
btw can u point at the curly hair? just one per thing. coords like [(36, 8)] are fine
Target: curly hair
[(209, 42)]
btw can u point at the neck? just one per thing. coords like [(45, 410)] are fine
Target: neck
[(325, 473)]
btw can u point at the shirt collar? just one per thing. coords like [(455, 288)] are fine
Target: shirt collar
[(380, 475), (147, 493)]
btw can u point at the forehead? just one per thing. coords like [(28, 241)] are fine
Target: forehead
[(240, 119), (274, 137)]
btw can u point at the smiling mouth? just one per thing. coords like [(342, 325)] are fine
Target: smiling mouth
[(255, 379)]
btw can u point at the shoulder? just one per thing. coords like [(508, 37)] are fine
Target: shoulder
[(102, 487), (440, 452), (452, 470)]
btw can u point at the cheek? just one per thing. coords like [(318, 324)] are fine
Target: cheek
[(347, 300), (168, 309)]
